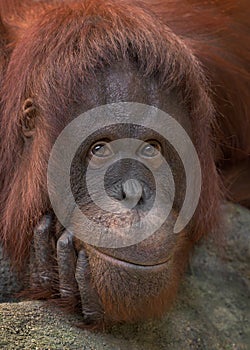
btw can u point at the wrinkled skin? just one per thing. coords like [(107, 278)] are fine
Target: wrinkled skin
[(103, 276)]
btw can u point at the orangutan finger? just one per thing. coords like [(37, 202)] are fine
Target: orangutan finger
[(66, 259), (91, 309), (43, 252)]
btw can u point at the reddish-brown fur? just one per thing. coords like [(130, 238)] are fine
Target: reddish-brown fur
[(187, 36)]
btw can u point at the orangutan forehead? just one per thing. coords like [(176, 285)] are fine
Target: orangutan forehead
[(105, 34), (123, 82)]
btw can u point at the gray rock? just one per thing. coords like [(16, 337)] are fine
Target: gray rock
[(9, 281)]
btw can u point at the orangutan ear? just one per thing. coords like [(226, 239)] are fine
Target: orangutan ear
[(28, 122)]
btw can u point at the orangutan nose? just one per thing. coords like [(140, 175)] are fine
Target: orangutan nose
[(132, 193)]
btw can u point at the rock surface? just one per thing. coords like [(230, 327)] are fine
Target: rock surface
[(212, 310)]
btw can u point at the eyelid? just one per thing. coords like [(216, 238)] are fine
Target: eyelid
[(104, 143), (157, 146)]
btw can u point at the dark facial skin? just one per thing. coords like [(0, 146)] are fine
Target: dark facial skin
[(155, 249), (122, 83), (136, 281)]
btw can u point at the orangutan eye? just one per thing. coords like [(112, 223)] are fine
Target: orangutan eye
[(101, 149), (151, 149)]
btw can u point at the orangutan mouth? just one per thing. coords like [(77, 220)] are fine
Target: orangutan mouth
[(114, 261)]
